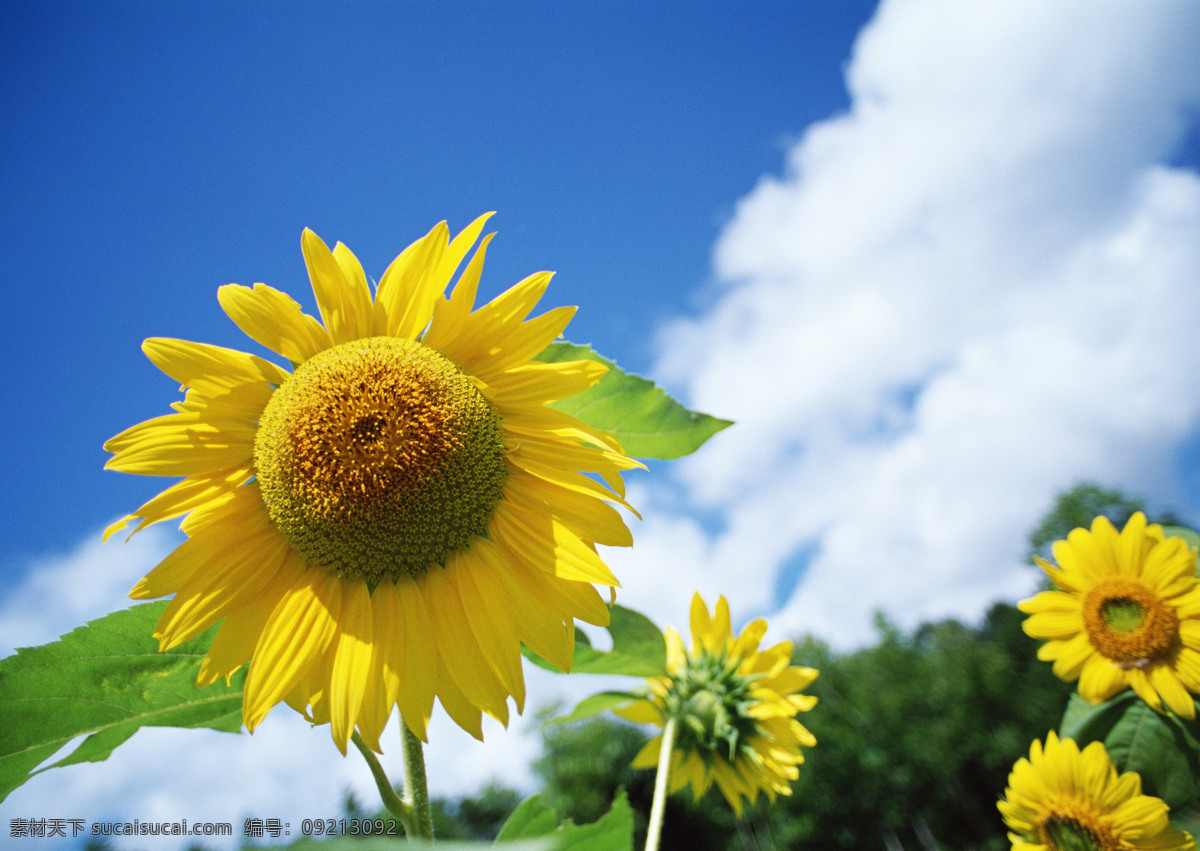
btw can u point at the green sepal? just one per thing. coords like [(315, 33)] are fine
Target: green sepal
[(647, 422), (1163, 749), (638, 648), (105, 681), (534, 820)]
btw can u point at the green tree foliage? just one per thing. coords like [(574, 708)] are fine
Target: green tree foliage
[(1083, 503), (475, 817), (584, 763), (916, 736)]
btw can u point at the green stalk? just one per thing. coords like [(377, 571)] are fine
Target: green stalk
[(416, 787), (402, 811), (660, 786)]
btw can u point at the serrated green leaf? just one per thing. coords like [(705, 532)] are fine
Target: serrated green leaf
[(647, 422), (104, 681), (638, 648), (1163, 749), (611, 832)]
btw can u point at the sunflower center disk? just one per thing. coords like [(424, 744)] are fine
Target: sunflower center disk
[(1128, 623), (378, 458)]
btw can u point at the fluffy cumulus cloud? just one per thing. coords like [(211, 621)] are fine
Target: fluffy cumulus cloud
[(975, 288)]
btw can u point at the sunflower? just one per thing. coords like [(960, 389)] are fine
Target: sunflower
[(1127, 614), (391, 520), (734, 708), (1063, 800)]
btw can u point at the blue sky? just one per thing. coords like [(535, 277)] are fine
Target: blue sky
[(156, 151), (939, 261)]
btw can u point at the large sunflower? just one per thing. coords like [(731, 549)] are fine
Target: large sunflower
[(734, 707), (1062, 800), (1127, 613), (390, 521)]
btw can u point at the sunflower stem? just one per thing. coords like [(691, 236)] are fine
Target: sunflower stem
[(654, 830), (416, 787), (402, 811)]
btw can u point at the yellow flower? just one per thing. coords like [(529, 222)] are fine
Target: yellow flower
[(734, 708), (1127, 614), (390, 521), (1063, 800)]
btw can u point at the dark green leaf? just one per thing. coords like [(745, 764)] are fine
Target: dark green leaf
[(533, 819), (1164, 750), (1091, 722), (104, 681), (639, 649), (647, 422)]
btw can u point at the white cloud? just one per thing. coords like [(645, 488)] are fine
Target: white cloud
[(63, 591), (975, 288)]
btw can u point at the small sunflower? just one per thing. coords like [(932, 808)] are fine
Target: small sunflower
[(1127, 614), (1062, 800), (392, 519), (734, 707)]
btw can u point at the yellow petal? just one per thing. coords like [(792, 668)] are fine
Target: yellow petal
[(457, 645), (182, 444), (538, 383), (419, 675), (449, 315), (212, 370), (490, 618), (409, 288), (274, 319), (181, 498), (296, 635), (229, 580), (548, 544), (233, 514), (351, 661), (345, 304), (700, 622), (543, 628), (240, 630), (463, 712)]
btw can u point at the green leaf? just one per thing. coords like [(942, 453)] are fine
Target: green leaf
[(1163, 749), (647, 422), (1091, 722), (104, 680), (533, 819), (597, 703), (639, 649)]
